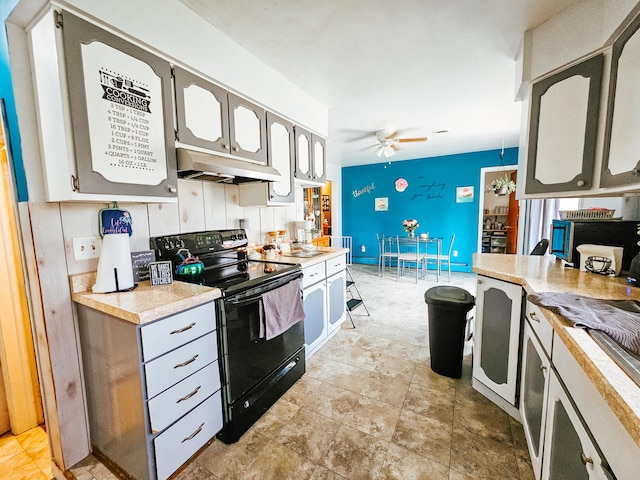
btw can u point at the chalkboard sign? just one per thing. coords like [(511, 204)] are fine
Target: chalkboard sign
[(140, 263)]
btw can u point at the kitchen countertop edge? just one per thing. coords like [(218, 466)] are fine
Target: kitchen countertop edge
[(143, 304), (616, 387)]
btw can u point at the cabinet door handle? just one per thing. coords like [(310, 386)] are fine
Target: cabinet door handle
[(585, 459), (190, 437), (184, 364), (313, 275), (534, 317), (189, 395), (580, 183), (543, 368), (184, 329), (480, 282), (172, 189), (225, 146)]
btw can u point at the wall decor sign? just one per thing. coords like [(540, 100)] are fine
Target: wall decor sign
[(401, 184), (382, 204), (363, 190), (464, 194)]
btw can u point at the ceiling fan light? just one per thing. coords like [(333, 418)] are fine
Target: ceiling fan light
[(379, 151), (389, 151)]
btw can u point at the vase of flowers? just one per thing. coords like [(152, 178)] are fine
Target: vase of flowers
[(410, 226)]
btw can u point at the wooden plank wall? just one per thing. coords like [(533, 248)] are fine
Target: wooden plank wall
[(48, 232)]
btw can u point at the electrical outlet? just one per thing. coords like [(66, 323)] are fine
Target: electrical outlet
[(363, 249), (455, 253), (85, 248)]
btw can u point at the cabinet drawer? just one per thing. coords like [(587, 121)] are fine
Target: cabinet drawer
[(313, 274), (541, 326), (165, 335), (170, 405), (175, 445), (336, 265), (169, 369)]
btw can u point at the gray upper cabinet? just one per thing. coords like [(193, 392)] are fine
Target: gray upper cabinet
[(122, 114), (310, 157), (212, 118), (621, 157), (562, 129), (281, 156), (202, 111)]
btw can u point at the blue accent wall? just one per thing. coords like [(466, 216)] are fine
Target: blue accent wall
[(6, 94), (430, 198)]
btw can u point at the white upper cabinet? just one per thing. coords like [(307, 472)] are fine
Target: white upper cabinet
[(212, 118), (621, 157)]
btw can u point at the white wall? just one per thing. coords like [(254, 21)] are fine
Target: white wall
[(583, 27)]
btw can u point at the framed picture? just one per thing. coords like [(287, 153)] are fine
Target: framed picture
[(326, 206), (464, 194), (382, 204)]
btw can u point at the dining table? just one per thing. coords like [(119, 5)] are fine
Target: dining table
[(392, 246)]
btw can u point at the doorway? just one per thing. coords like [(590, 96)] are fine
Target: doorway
[(17, 355), (498, 214), (317, 202)]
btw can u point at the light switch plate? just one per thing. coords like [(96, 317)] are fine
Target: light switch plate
[(85, 248)]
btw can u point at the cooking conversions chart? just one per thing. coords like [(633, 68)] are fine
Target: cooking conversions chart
[(125, 116)]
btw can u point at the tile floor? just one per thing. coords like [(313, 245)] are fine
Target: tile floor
[(369, 407), (25, 456)]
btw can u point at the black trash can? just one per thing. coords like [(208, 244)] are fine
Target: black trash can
[(448, 307)]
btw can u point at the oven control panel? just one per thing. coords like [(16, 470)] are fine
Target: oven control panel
[(167, 246)]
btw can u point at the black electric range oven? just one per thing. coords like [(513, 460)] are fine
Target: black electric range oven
[(255, 372)]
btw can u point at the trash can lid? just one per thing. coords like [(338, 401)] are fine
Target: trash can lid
[(447, 295)]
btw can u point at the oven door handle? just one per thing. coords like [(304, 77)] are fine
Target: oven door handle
[(255, 293)]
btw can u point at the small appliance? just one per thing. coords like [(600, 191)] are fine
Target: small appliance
[(568, 235)]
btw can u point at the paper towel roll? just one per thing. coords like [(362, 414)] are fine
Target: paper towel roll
[(115, 272)]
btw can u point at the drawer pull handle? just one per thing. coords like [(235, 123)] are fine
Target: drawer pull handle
[(184, 364), (190, 437), (534, 317), (180, 330), (585, 459), (543, 368), (189, 395), (313, 275)]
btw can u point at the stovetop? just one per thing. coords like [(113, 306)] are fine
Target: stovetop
[(223, 254)]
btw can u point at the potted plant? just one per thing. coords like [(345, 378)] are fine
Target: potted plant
[(503, 185)]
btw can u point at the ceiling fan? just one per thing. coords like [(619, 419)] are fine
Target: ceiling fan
[(388, 143)]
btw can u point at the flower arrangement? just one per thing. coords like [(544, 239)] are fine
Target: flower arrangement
[(502, 186), (410, 225)]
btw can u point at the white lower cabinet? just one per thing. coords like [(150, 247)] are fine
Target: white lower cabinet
[(569, 454), (533, 395), (497, 341), (153, 390), (324, 299)]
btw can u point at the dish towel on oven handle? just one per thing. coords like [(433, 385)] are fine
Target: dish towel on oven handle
[(281, 309), (620, 319)]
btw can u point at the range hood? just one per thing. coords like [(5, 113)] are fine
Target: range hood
[(216, 168)]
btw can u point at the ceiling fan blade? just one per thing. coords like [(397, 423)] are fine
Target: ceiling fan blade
[(416, 139)]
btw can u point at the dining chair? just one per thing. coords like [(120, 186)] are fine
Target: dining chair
[(409, 252), (442, 258), (387, 252)]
